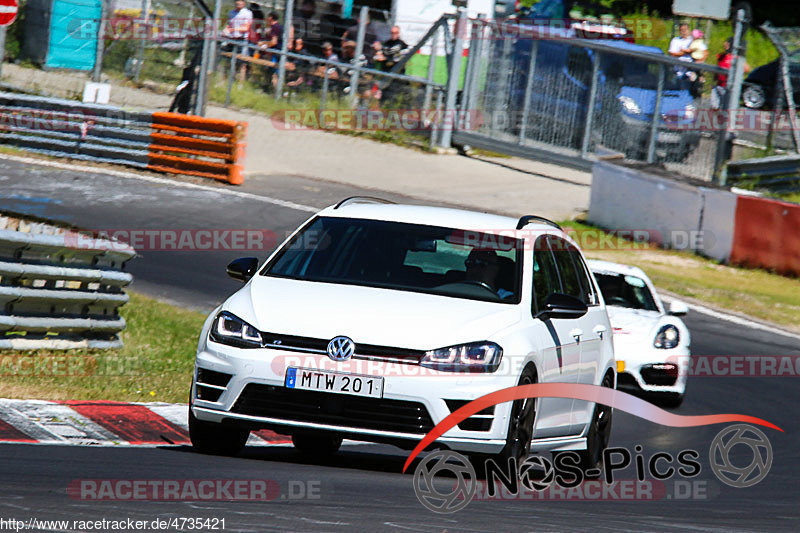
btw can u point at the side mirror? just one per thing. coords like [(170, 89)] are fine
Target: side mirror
[(678, 308), (243, 269), (559, 305)]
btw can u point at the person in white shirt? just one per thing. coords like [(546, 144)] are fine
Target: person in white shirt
[(239, 21), (680, 47), (238, 27)]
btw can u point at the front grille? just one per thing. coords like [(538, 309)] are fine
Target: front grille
[(333, 409), (363, 351), (660, 374)]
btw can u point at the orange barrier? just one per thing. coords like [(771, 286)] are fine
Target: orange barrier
[(198, 146), (766, 235)]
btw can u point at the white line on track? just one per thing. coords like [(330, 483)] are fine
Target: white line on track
[(160, 181), (735, 319)]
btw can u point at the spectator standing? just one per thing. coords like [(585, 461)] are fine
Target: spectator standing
[(698, 47), (679, 47), (240, 19), (332, 25), (699, 54), (720, 91), (306, 25), (257, 29), (273, 37), (370, 38)]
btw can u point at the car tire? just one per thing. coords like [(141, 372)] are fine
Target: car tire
[(754, 97), (215, 439), (520, 425), (316, 444), (591, 459)]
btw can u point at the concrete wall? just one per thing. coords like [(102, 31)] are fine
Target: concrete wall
[(676, 214)]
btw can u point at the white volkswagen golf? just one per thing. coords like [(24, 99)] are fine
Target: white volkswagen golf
[(375, 321), (652, 344)]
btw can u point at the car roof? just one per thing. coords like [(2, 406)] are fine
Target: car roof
[(635, 47), (434, 216), (596, 265)]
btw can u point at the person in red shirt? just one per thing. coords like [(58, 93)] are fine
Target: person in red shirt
[(720, 90)]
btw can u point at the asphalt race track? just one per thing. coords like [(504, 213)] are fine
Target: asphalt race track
[(362, 488)]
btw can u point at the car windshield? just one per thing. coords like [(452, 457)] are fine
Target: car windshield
[(630, 72), (625, 291), (408, 257)]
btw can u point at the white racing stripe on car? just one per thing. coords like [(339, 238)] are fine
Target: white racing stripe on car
[(161, 181), (733, 318)]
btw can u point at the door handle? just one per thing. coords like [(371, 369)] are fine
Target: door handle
[(576, 334), (600, 330)]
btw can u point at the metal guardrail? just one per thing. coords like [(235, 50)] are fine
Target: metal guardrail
[(60, 289), (775, 173), (163, 142)]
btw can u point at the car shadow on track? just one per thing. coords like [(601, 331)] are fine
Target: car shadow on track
[(366, 457)]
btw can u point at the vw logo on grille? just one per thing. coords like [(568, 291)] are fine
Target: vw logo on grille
[(341, 348)]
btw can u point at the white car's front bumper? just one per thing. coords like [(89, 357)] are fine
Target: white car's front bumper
[(265, 369), (649, 369)]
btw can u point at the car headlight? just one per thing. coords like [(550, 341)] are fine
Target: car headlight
[(629, 105), (231, 330), (667, 337), (473, 357)]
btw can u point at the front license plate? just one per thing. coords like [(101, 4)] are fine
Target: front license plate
[(336, 382)]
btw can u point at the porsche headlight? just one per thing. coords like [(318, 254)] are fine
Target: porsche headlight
[(473, 357), (231, 330), (629, 105), (667, 337)]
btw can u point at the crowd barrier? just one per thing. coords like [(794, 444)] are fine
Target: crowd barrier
[(735, 228), (159, 141), (59, 289)]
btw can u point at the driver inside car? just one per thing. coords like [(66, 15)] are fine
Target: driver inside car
[(483, 266)]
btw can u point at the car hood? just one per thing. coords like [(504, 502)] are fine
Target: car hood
[(672, 102), (633, 326), (367, 315)]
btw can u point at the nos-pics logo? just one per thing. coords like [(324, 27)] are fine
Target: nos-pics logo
[(445, 481)]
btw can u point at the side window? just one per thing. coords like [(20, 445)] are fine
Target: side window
[(584, 279), (545, 274), (570, 281)]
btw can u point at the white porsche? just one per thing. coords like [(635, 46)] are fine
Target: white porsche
[(651, 344)]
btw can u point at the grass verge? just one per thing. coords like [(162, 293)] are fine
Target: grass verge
[(753, 292), (155, 364)]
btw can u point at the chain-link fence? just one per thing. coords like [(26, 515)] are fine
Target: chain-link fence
[(540, 88)]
